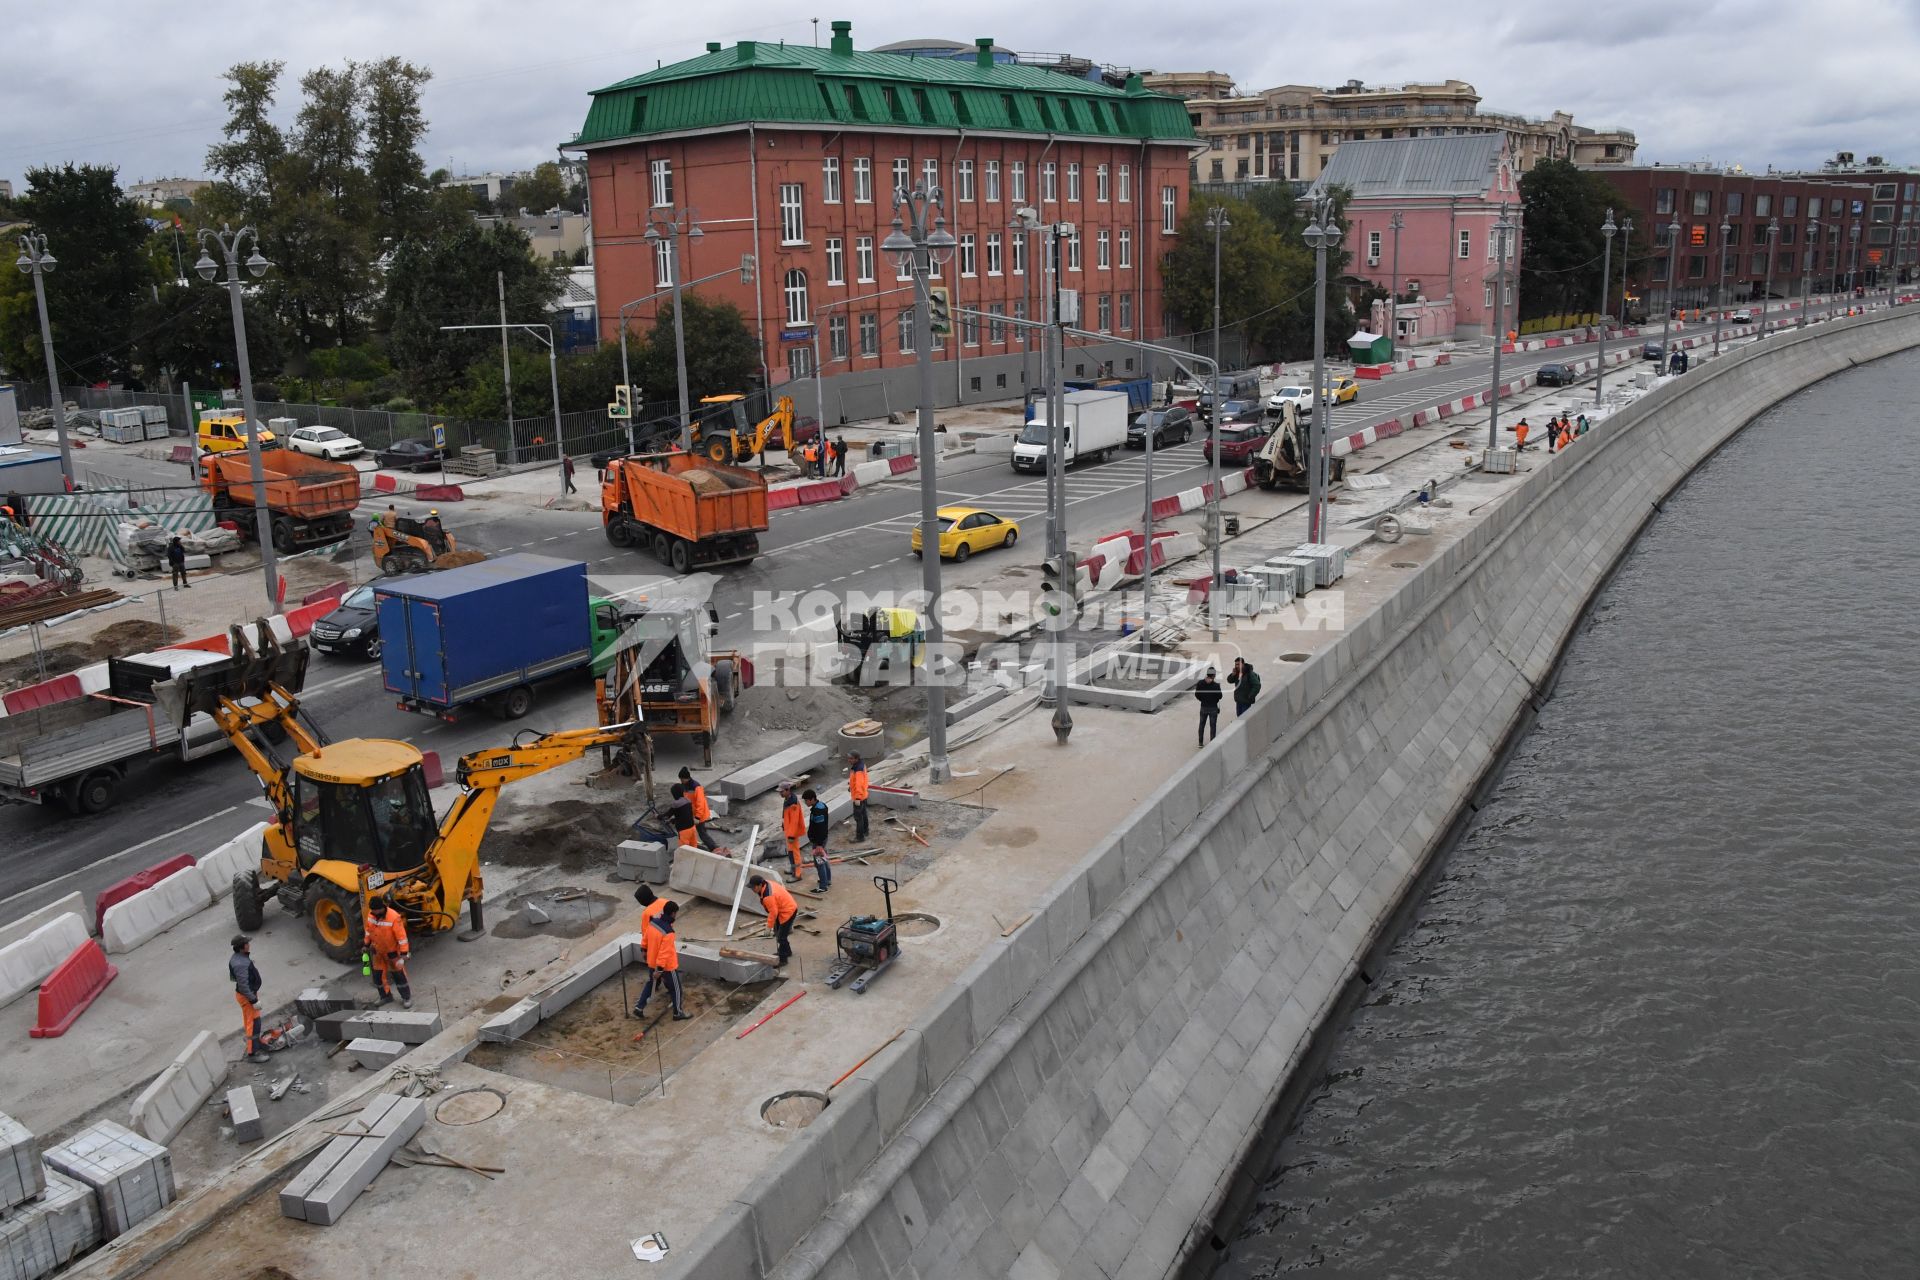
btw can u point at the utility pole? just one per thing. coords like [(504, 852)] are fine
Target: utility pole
[(1607, 230), (1673, 266), (671, 232), (1501, 229), (1321, 234), (1720, 286), (36, 260), (506, 364), (1057, 467), (1766, 290), (231, 243), (1218, 224), (1397, 224)]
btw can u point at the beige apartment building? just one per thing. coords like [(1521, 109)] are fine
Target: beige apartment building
[(1290, 132)]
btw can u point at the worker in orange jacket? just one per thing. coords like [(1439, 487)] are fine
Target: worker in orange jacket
[(246, 990), (387, 951), (702, 810), (650, 907), (858, 791), (781, 909), (793, 825), (1520, 435), (663, 962)]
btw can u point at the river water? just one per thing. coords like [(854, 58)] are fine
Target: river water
[(1660, 1015)]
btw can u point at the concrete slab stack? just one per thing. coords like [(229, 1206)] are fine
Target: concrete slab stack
[(406, 1026), (323, 1191), (318, 1002), (757, 779), (22, 1176), (646, 860), (1329, 561), (131, 1177), (49, 1231), (1303, 571)]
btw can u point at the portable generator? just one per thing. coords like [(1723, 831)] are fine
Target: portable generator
[(866, 944)]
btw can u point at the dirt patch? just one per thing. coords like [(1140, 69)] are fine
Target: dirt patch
[(130, 635), (569, 912), (819, 709), (571, 835)]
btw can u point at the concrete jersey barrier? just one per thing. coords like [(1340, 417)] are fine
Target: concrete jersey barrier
[(15, 930), (1080, 1100), (151, 912), (240, 854), (163, 1108), (25, 964)]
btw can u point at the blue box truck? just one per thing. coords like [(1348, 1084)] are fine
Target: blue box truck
[(484, 635)]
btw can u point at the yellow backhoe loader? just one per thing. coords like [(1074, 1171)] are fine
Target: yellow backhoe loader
[(354, 818), (722, 432)]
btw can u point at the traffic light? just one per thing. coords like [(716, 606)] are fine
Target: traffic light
[(1059, 584), (622, 406), (939, 309), (746, 268)]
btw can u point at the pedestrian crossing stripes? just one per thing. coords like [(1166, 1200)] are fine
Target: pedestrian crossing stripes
[(1029, 498)]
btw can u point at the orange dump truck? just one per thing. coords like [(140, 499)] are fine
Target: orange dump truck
[(309, 500), (687, 510)]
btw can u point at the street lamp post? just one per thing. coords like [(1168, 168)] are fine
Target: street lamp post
[(545, 334), (36, 260), (1806, 273), (1626, 259), (748, 265), (1766, 290), (1502, 228), (1026, 221), (918, 240), (1218, 224), (1853, 263), (1321, 234), (1607, 230), (1057, 234), (1397, 224), (1720, 286), (1673, 266), (670, 231), (232, 243)]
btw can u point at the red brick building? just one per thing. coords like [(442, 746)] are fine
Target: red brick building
[(1826, 235), (793, 154)]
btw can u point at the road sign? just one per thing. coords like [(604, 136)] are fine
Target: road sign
[(439, 435)]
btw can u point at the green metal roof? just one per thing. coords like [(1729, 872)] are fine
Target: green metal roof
[(799, 84)]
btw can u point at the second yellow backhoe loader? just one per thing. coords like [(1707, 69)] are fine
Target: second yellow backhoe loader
[(354, 818)]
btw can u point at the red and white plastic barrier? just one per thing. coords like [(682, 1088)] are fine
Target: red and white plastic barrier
[(806, 493)]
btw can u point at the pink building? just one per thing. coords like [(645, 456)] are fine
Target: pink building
[(1448, 192)]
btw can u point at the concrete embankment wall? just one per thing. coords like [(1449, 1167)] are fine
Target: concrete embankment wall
[(1077, 1103)]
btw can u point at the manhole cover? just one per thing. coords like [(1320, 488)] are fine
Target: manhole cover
[(795, 1110), (1405, 564), (470, 1107), (915, 924), (1294, 657)]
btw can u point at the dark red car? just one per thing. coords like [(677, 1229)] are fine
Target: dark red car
[(1238, 443)]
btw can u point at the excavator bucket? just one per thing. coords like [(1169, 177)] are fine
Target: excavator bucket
[(256, 661)]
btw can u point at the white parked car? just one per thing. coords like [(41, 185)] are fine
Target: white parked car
[(1742, 316), (325, 442), (1300, 397)]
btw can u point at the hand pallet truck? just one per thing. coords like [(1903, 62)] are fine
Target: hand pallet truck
[(866, 944)]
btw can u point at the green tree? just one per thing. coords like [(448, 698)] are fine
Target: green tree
[(1252, 272), (98, 238), (1564, 208), (539, 191), (245, 165), (722, 356), (394, 126), (320, 222), (450, 278)]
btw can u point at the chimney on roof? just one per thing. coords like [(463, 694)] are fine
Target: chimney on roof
[(842, 41), (743, 52), (983, 51), (713, 46)]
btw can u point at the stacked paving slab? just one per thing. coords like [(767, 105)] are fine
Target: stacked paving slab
[(131, 1177), (346, 1166)]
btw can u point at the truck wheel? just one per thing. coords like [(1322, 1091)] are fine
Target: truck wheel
[(392, 564), (719, 449), (663, 548), (619, 532), (726, 684), (682, 558), (283, 539), (515, 702), (93, 793), (249, 912), (333, 915)]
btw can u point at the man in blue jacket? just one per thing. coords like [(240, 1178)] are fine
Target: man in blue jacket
[(246, 990), (817, 824)]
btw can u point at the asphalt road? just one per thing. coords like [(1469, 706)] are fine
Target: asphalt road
[(857, 545)]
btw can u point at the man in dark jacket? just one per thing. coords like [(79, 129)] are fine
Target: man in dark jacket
[(1208, 694), (177, 563), (840, 455), (817, 823), (1246, 685), (246, 990)]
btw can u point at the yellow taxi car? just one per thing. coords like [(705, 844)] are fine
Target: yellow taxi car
[(1343, 389), (965, 530), (225, 432)]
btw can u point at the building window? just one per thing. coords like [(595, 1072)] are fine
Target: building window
[(1073, 251), (1126, 184), (863, 259), (1126, 248), (969, 331), (993, 253), (870, 335), (1218, 172), (996, 329), (1663, 200), (662, 171), (1019, 253), (1017, 182), (663, 263), (1696, 265), (1759, 264), (1105, 313), (930, 172), (1102, 181), (1019, 308), (830, 180), (902, 266), (1049, 182), (1102, 258), (800, 361), (993, 182), (902, 175), (1783, 263), (1789, 206), (1126, 313), (1884, 190), (1883, 213), (1169, 222), (1813, 206), (1788, 232), (1465, 250), (793, 226), (1733, 232), (836, 260), (1373, 246), (1506, 294), (837, 335), (1762, 206), (1702, 203), (1073, 181), (796, 297), (863, 181), (906, 331), (1736, 203), (969, 257), (1487, 289), (963, 179)]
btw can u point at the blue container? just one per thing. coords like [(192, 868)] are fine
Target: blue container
[(453, 637)]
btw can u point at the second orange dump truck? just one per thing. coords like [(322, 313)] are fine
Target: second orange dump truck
[(309, 500), (690, 512)]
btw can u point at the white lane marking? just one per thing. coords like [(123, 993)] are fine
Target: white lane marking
[(165, 835)]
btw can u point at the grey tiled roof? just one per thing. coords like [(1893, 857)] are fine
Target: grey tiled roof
[(1455, 165)]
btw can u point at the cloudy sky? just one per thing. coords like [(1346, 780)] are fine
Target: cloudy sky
[(114, 83)]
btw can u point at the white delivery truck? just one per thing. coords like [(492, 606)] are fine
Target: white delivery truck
[(1096, 425)]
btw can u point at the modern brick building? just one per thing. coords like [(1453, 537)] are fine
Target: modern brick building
[(792, 153), (1837, 210), (1890, 246)]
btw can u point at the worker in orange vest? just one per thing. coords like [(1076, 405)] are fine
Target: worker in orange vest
[(650, 905), (858, 791), (793, 825), (1520, 435), (387, 951), (782, 910), (702, 811), (663, 963)]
